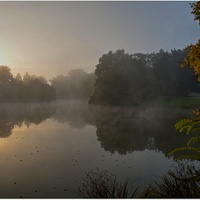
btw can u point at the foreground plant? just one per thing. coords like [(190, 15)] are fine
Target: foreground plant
[(98, 184), (182, 182), (192, 148)]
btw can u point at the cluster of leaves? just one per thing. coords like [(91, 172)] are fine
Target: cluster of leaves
[(124, 79), (191, 126), (193, 58), (26, 89), (192, 150), (103, 184), (196, 10)]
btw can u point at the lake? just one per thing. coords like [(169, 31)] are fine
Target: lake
[(47, 148)]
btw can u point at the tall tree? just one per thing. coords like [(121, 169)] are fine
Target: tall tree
[(6, 76), (191, 125), (18, 77), (124, 79), (32, 88), (112, 85), (193, 59)]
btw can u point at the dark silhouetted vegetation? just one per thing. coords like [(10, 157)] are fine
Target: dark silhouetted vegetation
[(180, 182), (125, 79), (26, 89), (99, 184), (119, 79), (76, 85), (191, 125), (192, 60)]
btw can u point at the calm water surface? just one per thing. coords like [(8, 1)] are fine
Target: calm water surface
[(46, 148)]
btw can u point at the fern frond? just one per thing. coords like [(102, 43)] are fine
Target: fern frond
[(193, 140), (187, 148), (188, 156), (183, 124), (196, 129), (190, 125)]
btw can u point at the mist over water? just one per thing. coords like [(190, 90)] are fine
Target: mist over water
[(120, 119), (47, 147), (73, 100)]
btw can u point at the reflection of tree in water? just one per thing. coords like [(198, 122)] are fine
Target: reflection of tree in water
[(15, 114), (122, 130), (117, 132), (75, 112), (137, 129), (37, 113), (6, 128)]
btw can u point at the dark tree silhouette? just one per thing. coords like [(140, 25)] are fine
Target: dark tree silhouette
[(124, 79), (28, 89)]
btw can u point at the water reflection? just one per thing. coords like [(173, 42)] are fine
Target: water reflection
[(12, 115), (75, 112), (118, 130), (66, 139), (137, 129)]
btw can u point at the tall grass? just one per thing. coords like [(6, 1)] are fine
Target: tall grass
[(103, 184), (180, 182)]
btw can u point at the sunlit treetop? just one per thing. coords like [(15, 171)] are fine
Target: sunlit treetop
[(196, 10), (193, 59)]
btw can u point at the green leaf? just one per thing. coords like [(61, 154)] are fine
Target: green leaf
[(193, 140)]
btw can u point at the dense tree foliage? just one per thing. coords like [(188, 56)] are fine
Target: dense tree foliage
[(125, 79), (76, 85), (191, 125), (26, 89), (193, 58)]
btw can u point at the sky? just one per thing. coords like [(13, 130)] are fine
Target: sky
[(50, 38)]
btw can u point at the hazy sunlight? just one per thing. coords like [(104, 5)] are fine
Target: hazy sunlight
[(2, 58)]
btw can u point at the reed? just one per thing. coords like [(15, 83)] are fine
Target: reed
[(103, 184)]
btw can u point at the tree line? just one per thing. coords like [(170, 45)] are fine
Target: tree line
[(130, 79), (119, 79), (28, 88), (77, 84)]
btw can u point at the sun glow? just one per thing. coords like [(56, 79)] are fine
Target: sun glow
[(2, 58)]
